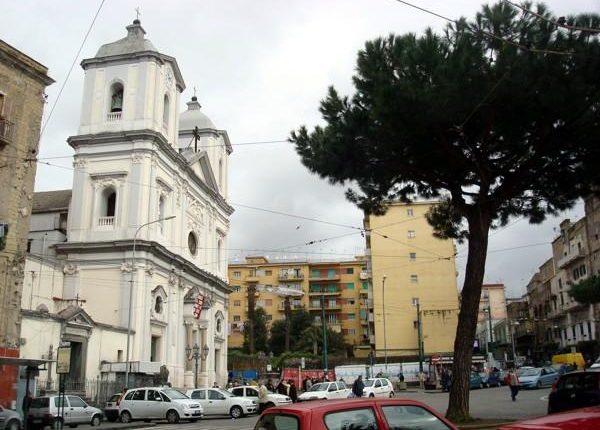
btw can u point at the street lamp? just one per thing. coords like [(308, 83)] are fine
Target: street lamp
[(194, 354), (384, 334), (131, 294), (512, 337)]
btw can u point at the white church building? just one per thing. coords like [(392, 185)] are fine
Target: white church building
[(142, 234)]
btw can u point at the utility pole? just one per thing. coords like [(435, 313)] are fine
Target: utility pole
[(288, 321), (324, 330), (489, 312), (250, 321), (384, 333), (419, 332)]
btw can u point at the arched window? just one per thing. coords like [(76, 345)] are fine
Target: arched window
[(108, 205), (166, 111), (111, 202), (158, 304), (116, 97), (192, 243)]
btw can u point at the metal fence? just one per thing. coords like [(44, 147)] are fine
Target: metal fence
[(95, 391)]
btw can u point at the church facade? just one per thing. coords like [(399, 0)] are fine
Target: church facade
[(129, 267)]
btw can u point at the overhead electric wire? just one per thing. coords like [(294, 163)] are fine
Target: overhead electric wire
[(556, 23)]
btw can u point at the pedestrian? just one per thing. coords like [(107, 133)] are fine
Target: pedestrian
[(401, 377), (358, 387), (562, 369), (445, 380), (263, 397), (309, 383), (513, 383), (215, 385), (292, 391), (270, 386)]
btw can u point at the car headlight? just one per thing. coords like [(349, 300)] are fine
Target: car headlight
[(287, 399)]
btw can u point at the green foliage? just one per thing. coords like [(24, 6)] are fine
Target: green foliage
[(586, 291), (260, 332), (277, 337)]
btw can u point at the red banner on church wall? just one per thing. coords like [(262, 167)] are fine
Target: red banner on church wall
[(198, 306)]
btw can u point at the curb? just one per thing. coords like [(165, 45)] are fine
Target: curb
[(490, 425), (120, 426)]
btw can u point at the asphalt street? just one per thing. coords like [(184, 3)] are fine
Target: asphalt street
[(489, 403)]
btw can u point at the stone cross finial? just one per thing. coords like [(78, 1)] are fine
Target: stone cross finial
[(194, 91), (137, 13)]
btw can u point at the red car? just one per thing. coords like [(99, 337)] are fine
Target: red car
[(576, 419), (353, 414)]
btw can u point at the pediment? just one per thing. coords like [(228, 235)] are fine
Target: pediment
[(200, 163), (159, 291), (77, 316)]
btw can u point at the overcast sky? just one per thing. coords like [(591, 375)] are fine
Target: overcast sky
[(260, 69)]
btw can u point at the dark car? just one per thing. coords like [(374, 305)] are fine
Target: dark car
[(353, 414), (575, 390), (577, 419)]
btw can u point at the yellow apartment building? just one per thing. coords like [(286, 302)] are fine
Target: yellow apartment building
[(417, 267), (338, 289)]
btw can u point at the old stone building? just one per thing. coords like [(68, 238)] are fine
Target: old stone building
[(22, 84)]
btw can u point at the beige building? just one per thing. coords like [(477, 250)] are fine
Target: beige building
[(592, 217), (22, 84), (492, 310), (336, 286), (416, 266)]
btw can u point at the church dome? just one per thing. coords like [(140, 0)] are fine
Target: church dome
[(133, 42), (194, 117)]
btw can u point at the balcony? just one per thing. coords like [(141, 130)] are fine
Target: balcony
[(570, 258), (293, 306), (6, 131), (290, 276), (327, 307), (326, 292), (364, 276), (113, 116), (364, 292), (364, 321), (332, 325), (251, 277), (106, 221), (329, 277)]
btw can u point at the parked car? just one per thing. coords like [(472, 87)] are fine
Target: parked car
[(111, 408), (378, 387), (326, 390), (273, 399), (475, 381), (158, 403), (575, 390), (576, 419), (537, 377), (215, 401), (353, 414), (10, 420), (44, 411)]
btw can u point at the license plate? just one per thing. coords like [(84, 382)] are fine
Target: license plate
[(196, 413)]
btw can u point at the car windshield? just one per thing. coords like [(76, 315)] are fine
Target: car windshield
[(226, 393), (369, 382), (528, 372), (319, 387), (174, 394)]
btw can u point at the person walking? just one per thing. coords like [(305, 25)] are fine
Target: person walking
[(358, 387), (293, 391), (263, 397), (513, 383), (270, 386)]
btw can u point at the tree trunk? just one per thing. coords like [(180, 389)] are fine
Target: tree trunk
[(458, 404), (251, 307), (288, 320)]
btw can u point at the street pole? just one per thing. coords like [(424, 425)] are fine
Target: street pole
[(384, 333), (489, 345), (420, 335), (324, 331), (512, 336), (130, 307), (288, 318)]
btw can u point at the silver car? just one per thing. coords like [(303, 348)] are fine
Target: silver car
[(46, 411), (158, 403), (10, 420)]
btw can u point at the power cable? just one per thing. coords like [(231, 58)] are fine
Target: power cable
[(558, 23), (71, 69)]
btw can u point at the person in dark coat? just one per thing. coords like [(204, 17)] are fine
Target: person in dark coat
[(270, 386), (293, 391), (358, 387)]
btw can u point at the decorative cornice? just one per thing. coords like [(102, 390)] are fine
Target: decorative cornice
[(55, 317), (176, 261), (157, 138)]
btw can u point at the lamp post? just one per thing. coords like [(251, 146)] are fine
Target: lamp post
[(512, 338), (415, 302), (384, 333), (131, 294), (193, 353)]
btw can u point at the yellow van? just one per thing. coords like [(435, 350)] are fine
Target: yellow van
[(569, 359)]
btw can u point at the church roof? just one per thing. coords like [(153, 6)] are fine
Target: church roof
[(194, 117), (51, 201), (133, 42)]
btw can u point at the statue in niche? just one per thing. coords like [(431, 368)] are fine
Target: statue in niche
[(116, 103)]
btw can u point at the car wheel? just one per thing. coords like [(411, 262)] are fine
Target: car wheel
[(236, 412), (13, 425), (96, 420), (172, 417), (125, 417), (538, 385), (391, 394), (371, 395)]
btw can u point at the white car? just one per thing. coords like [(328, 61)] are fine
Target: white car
[(158, 403), (215, 401), (378, 387), (273, 399), (326, 390)]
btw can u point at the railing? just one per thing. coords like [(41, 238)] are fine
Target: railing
[(106, 221), (288, 275), (113, 116), (6, 130), (570, 257), (96, 391)]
